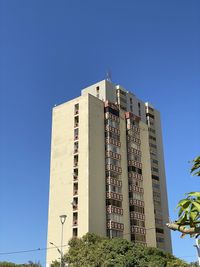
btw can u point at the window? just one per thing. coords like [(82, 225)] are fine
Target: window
[(97, 91), (76, 147), (155, 161), (156, 186), (76, 121), (75, 232), (112, 188), (154, 146), (113, 202), (139, 109), (75, 189), (112, 111), (160, 239), (159, 230), (154, 169), (76, 109)]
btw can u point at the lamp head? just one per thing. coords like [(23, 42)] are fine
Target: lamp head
[(63, 218)]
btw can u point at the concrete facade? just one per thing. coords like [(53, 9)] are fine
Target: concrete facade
[(107, 169)]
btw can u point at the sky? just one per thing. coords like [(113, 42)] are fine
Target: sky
[(49, 51)]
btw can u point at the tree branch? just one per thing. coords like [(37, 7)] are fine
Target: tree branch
[(183, 229)]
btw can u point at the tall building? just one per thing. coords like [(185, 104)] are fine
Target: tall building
[(107, 169)]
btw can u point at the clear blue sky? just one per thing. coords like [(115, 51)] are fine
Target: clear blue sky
[(49, 51)]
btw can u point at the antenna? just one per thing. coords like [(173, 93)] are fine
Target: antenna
[(109, 75)]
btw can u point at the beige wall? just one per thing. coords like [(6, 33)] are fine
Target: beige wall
[(91, 182), (92, 90), (60, 190), (97, 204), (147, 185)]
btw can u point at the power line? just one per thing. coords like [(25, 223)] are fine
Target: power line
[(28, 250), (42, 249)]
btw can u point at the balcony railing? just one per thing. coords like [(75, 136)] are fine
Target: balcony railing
[(137, 215), (135, 176), (134, 151), (136, 202), (110, 167), (113, 142), (109, 128), (113, 195), (113, 209), (113, 181), (138, 230), (135, 163), (134, 188), (115, 225), (113, 155)]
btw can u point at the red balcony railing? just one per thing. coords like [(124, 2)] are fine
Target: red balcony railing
[(115, 225)]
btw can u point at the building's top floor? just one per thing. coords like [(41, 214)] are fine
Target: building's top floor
[(127, 101)]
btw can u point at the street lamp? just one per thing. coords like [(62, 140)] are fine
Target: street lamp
[(62, 220)]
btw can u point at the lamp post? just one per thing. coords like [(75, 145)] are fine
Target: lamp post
[(62, 220)]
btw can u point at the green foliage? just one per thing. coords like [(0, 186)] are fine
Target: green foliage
[(55, 264), (11, 264), (94, 251), (189, 208), (195, 170)]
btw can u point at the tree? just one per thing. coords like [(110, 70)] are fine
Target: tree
[(11, 264), (189, 212), (94, 251)]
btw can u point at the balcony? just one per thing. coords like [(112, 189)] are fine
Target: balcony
[(134, 188), (113, 155), (132, 150), (135, 176), (136, 202), (133, 139), (115, 225), (135, 163), (115, 196), (113, 181), (130, 115), (137, 215), (138, 230), (109, 128), (113, 209), (110, 167), (113, 142)]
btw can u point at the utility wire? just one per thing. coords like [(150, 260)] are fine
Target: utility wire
[(41, 249), (28, 250)]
